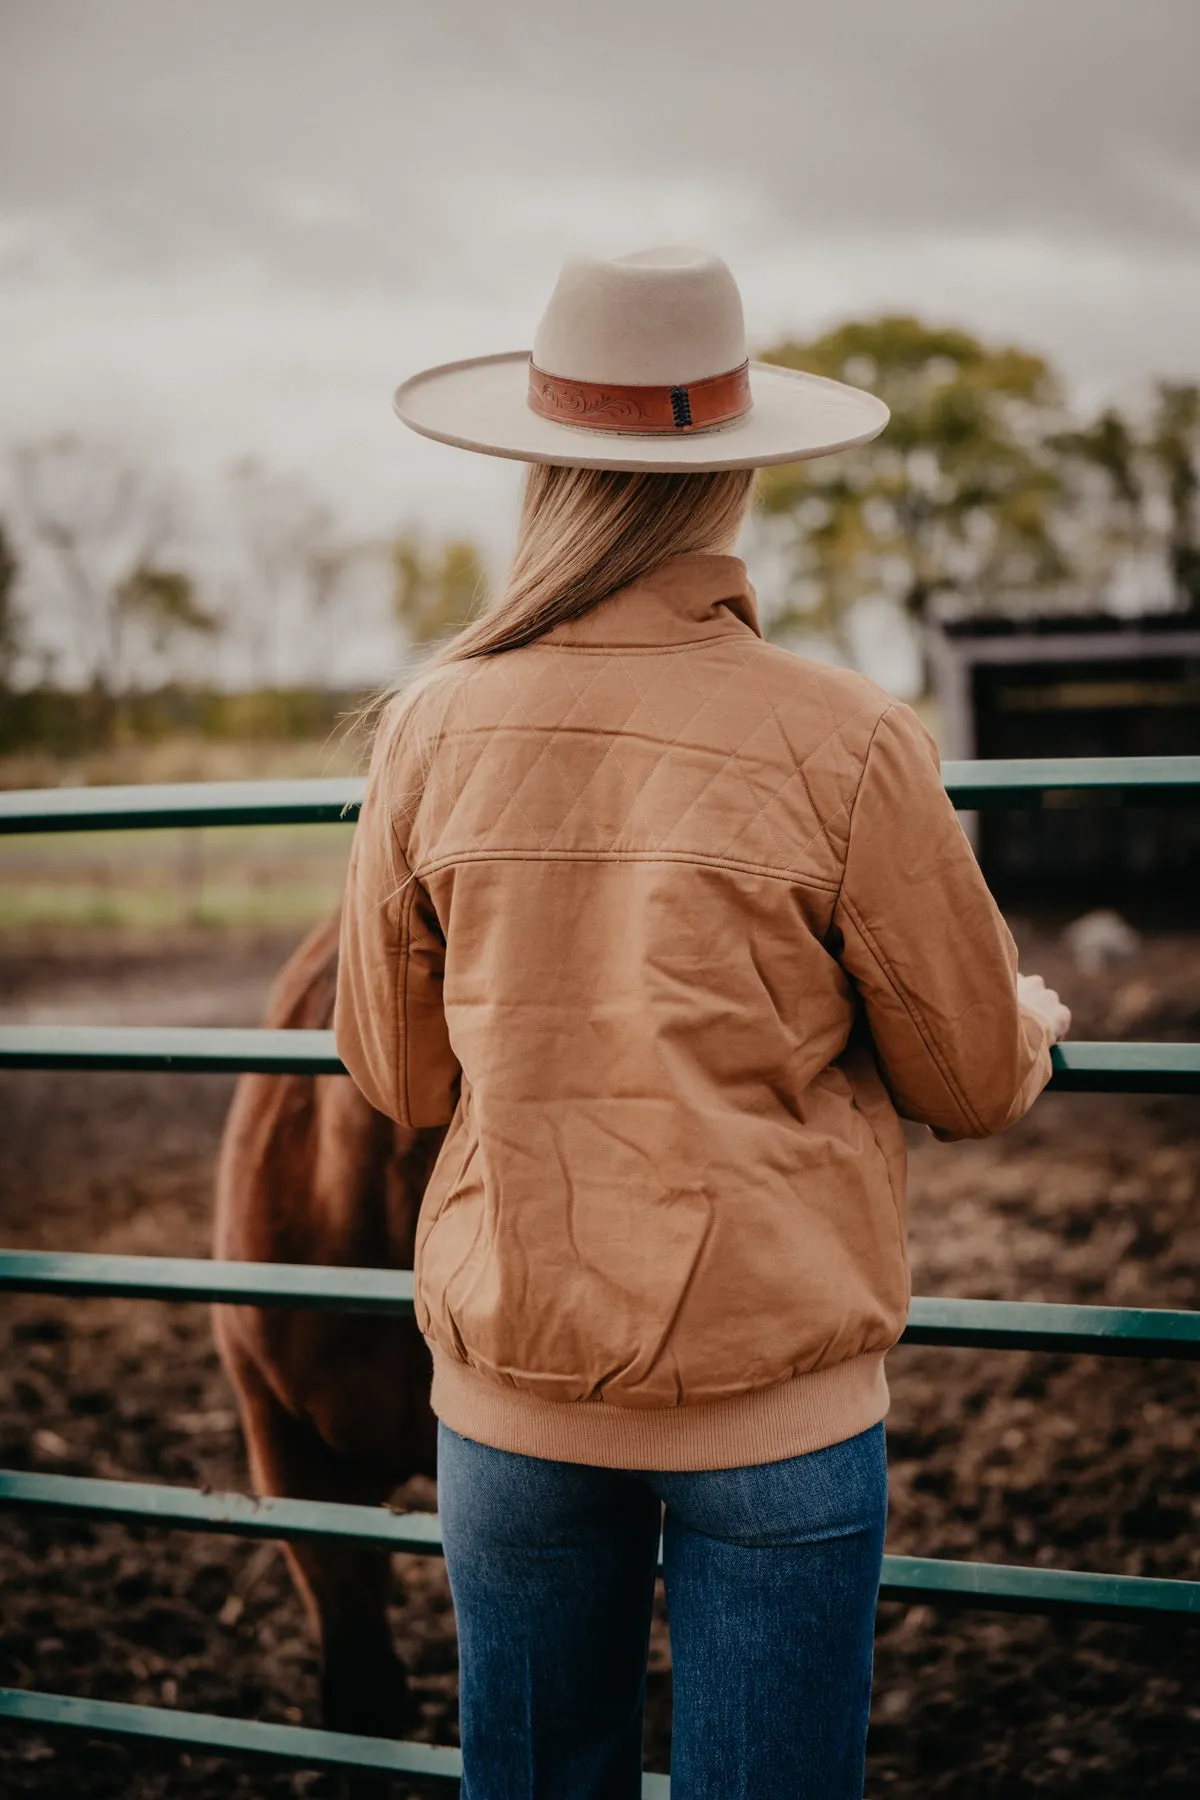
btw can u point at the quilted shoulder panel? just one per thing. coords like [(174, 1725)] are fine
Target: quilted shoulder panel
[(728, 751)]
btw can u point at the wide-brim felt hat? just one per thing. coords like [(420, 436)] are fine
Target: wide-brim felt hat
[(639, 362)]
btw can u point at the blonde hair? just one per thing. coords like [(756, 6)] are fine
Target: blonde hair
[(582, 534)]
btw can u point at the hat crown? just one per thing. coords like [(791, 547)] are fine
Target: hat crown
[(657, 318)]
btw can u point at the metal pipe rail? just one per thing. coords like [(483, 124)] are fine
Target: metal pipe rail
[(1113, 1331), (211, 1735), (1079, 1068), (976, 1324), (1140, 780), (1003, 1586)]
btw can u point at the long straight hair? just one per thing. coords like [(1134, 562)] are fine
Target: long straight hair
[(581, 535)]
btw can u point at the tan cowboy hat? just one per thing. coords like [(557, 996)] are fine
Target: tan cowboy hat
[(639, 363)]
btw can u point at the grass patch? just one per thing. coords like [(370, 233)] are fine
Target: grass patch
[(183, 759), (105, 883), (286, 876)]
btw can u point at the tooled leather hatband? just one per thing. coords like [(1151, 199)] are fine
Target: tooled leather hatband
[(609, 407)]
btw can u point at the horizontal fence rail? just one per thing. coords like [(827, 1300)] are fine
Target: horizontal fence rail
[(1005, 1586), (1142, 780), (78, 1275), (1015, 1325), (208, 1733), (1079, 1068), (1024, 781), (325, 801), (974, 1324), (200, 1049)]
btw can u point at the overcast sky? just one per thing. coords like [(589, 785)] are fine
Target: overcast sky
[(231, 227)]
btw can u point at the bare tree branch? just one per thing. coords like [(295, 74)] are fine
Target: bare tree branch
[(295, 566), (98, 519)]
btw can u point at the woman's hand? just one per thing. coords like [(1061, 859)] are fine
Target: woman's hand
[(1045, 1004)]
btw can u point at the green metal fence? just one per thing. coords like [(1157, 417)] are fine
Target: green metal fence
[(1013, 1325)]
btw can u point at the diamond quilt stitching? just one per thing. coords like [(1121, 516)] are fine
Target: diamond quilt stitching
[(565, 694), (636, 797), (801, 767), (457, 806), (707, 699), (738, 761), (671, 742)]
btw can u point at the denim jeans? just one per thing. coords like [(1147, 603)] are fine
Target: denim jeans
[(772, 1574)]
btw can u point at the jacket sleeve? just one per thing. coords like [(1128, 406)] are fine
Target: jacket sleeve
[(929, 951), (389, 1020)]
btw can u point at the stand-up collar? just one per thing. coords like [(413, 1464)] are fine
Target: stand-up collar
[(686, 599)]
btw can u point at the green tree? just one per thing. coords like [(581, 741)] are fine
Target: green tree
[(11, 633), (102, 523), (1136, 493), (1175, 449), (164, 604), (434, 588), (1109, 444), (1104, 527), (296, 564), (957, 497)]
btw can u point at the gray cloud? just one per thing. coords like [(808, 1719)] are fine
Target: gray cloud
[(234, 225), (1078, 115)]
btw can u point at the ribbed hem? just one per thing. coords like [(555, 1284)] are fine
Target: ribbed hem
[(791, 1418)]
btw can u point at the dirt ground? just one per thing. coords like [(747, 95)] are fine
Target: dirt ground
[(1078, 1462)]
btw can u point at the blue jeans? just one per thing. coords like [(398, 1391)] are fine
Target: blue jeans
[(772, 1574)]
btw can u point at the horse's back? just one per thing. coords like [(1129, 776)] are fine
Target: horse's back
[(309, 1172)]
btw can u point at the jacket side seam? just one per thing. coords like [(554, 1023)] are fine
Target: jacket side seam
[(918, 1018), (400, 977), (896, 1198), (853, 807), (402, 1031)]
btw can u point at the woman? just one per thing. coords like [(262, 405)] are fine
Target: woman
[(670, 928)]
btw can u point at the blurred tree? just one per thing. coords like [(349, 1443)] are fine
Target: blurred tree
[(11, 632), (1143, 507), (102, 523), (1104, 516), (434, 590), (1175, 449), (1110, 444), (163, 603), (295, 566), (957, 497)]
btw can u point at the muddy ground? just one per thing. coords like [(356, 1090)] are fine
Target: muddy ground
[(1079, 1462)]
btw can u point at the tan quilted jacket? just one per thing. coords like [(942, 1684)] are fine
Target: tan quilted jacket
[(674, 927)]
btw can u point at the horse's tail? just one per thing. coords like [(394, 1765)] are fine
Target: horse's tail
[(303, 994)]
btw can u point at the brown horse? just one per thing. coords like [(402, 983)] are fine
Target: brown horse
[(334, 1406)]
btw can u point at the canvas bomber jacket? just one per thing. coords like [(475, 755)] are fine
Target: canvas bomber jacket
[(669, 928)]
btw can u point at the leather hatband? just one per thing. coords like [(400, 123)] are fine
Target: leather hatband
[(605, 406)]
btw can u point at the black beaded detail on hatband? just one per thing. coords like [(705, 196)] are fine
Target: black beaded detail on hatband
[(681, 406)]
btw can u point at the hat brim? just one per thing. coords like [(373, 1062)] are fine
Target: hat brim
[(482, 404)]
